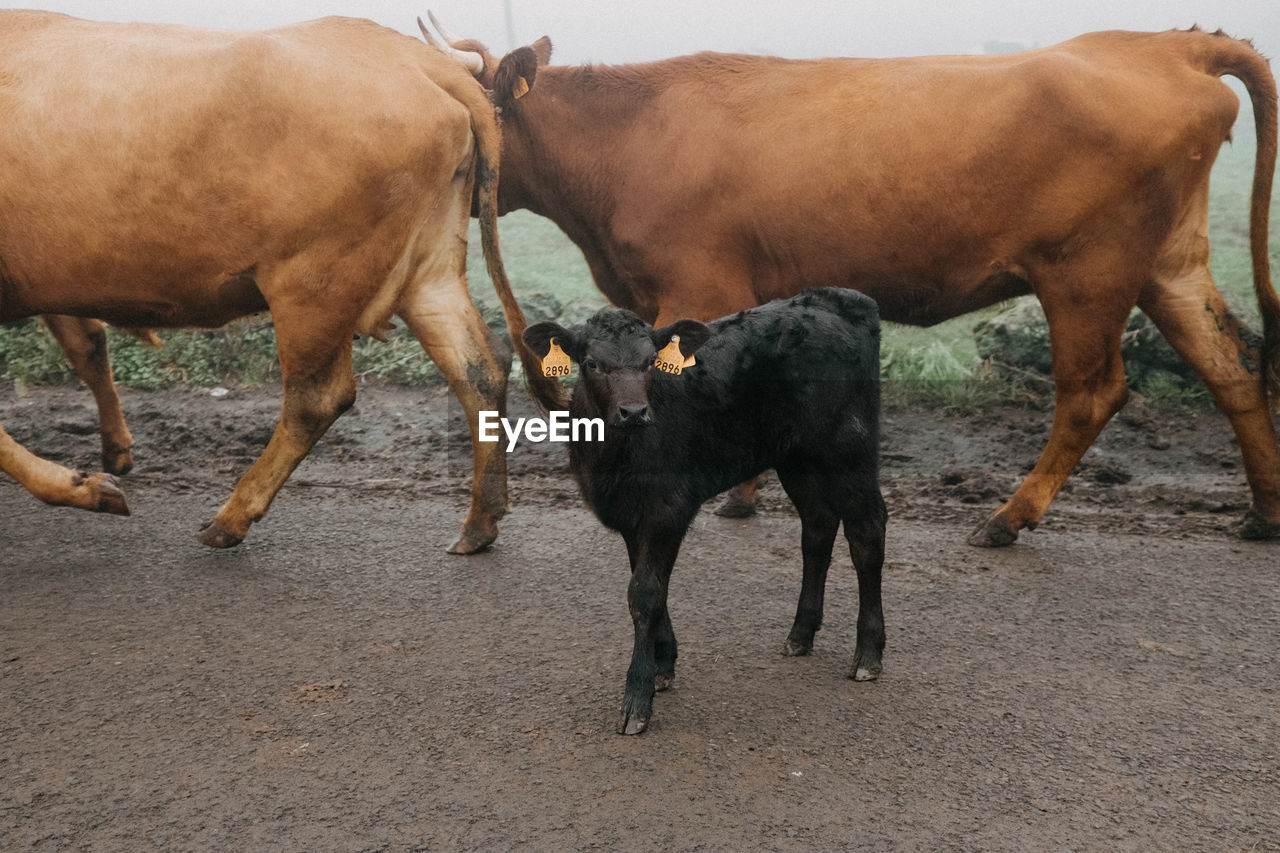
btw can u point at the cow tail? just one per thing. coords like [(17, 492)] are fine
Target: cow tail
[(547, 392), (1240, 60)]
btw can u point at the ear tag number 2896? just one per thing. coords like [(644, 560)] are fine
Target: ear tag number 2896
[(556, 361), (670, 360)]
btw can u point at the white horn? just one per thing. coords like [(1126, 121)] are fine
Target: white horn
[(440, 28), (467, 59)]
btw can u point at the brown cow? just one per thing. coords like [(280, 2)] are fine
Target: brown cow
[(169, 176), (704, 184)]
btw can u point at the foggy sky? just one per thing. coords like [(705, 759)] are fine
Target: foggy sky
[(604, 31)]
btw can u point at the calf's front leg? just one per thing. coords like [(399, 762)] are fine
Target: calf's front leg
[(653, 657)]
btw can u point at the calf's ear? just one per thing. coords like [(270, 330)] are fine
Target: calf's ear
[(538, 338), (692, 335)]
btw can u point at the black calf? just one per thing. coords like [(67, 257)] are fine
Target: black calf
[(791, 385)]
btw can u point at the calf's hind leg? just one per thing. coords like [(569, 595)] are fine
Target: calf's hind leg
[(818, 526), (864, 525)]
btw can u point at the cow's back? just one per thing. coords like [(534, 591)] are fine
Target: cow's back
[(167, 159)]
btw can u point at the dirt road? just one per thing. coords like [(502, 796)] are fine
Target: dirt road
[(339, 683)]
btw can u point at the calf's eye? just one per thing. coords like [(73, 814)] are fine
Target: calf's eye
[(590, 363)]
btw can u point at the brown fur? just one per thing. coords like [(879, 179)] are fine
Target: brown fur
[(705, 184), (169, 176)]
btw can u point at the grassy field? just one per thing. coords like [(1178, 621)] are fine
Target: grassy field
[(541, 260)]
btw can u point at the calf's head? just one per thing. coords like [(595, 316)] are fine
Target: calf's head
[(615, 352)]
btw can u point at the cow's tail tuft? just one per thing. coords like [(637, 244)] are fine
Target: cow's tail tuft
[(1239, 59)]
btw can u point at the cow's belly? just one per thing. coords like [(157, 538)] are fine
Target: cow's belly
[(925, 302), (214, 304)]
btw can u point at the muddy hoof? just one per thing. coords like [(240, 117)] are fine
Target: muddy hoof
[(793, 649), (1256, 528), (469, 545), (866, 672), (117, 461), (735, 506), (629, 724), (474, 539), (214, 536), (662, 683), (111, 496), (993, 533)]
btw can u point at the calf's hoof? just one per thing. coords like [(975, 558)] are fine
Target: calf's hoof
[(995, 532), (106, 488), (631, 724), (214, 535), (663, 683), (795, 649), (1256, 528), (633, 718), (866, 672)]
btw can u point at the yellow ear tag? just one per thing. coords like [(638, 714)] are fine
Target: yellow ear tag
[(520, 89), (670, 360), (555, 362)]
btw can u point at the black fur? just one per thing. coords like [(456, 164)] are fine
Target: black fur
[(791, 385)]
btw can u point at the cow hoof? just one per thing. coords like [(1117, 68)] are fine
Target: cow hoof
[(866, 672), (793, 649), (993, 533), (117, 461), (110, 495), (215, 536), (663, 683), (468, 545), (629, 724), (1256, 528), (474, 538), (735, 506)]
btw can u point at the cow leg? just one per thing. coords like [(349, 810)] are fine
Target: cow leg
[(819, 523), (864, 519), (57, 485), (314, 344), (741, 500), (1190, 313), (84, 342), (445, 321), (653, 557), (1089, 389), (665, 647)]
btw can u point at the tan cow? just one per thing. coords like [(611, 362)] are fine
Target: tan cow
[(166, 176), (705, 184)]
